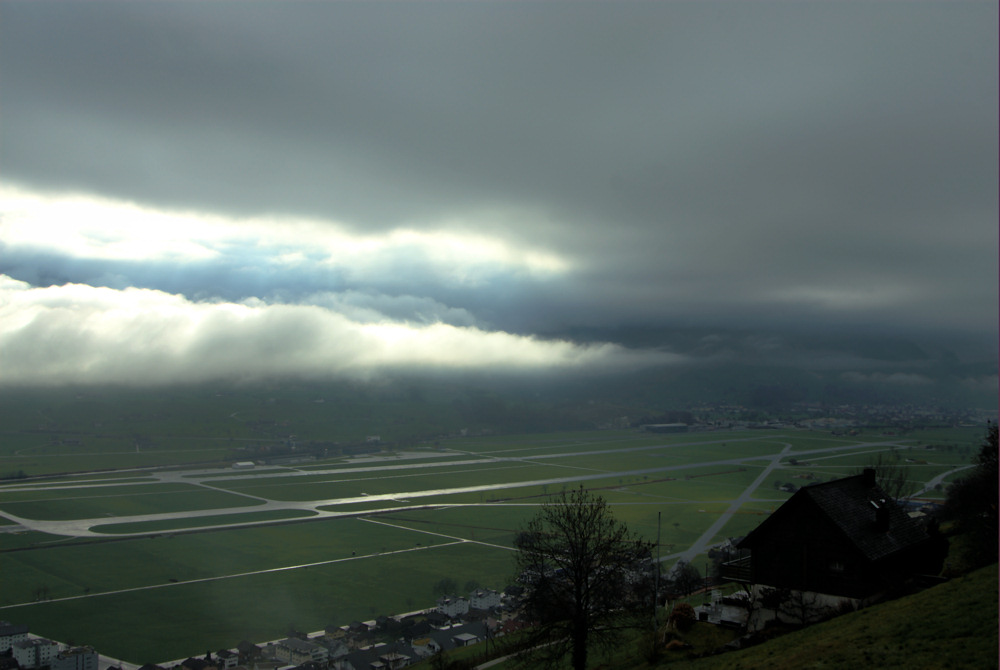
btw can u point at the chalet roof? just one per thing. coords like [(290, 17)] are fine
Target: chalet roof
[(848, 503), (851, 504)]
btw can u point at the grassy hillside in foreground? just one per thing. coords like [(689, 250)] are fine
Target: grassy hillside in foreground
[(953, 625)]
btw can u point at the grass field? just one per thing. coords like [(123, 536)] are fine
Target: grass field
[(77, 503), (144, 568)]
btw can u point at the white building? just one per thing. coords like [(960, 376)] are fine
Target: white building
[(484, 599), (34, 653), (297, 652), (226, 659), (10, 634), (452, 607), (76, 658), (464, 639)]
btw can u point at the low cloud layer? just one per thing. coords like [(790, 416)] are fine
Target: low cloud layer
[(81, 334), (498, 178)]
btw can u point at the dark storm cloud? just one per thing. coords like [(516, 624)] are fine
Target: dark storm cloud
[(711, 165)]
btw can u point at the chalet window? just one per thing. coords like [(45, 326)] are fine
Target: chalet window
[(837, 566)]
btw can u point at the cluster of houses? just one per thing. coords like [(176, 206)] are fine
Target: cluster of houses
[(387, 643), (19, 649)]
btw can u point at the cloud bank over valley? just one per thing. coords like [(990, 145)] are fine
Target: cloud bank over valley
[(201, 192)]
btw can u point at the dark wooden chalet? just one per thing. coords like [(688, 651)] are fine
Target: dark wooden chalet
[(844, 538)]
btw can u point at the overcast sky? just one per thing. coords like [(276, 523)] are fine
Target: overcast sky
[(206, 190)]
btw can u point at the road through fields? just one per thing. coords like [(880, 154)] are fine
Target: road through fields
[(701, 544)]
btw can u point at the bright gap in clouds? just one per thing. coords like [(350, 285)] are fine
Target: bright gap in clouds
[(82, 334), (87, 227), (80, 226)]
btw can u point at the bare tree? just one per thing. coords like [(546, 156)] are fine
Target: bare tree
[(686, 578), (586, 577), (890, 474)]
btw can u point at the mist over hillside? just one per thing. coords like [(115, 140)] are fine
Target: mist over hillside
[(417, 407)]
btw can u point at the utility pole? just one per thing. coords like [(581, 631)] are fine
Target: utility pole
[(656, 581)]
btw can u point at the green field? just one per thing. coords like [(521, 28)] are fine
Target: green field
[(67, 503), (140, 566)]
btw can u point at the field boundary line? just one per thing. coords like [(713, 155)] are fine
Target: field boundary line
[(202, 580), (429, 532)]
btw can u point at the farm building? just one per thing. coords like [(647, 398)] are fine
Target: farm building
[(843, 541)]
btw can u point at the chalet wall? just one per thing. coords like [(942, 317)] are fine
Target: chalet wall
[(808, 552)]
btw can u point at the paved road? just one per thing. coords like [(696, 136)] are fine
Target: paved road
[(701, 544), (929, 486)]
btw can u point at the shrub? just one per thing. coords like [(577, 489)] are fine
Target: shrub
[(683, 616)]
